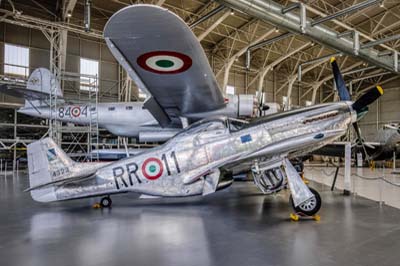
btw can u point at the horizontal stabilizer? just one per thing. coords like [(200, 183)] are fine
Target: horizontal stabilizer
[(49, 166)]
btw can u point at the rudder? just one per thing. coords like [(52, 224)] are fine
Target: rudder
[(47, 163)]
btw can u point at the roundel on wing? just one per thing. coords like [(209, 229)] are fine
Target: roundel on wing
[(164, 62), (152, 168)]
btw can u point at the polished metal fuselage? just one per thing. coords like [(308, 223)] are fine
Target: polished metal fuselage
[(180, 166)]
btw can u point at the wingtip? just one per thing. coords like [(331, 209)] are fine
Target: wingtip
[(380, 89), (333, 59)]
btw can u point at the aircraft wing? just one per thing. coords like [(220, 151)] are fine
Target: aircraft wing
[(164, 57), (336, 149)]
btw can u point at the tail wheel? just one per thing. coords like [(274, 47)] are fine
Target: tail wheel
[(106, 202), (309, 207)]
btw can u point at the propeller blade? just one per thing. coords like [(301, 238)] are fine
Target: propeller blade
[(368, 98), (358, 133), (340, 85)]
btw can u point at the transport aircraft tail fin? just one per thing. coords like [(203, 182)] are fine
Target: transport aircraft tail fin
[(41, 85)]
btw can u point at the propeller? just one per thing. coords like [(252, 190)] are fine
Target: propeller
[(261, 106), (360, 105)]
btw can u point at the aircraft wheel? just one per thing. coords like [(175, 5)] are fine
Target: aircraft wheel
[(311, 206), (106, 202)]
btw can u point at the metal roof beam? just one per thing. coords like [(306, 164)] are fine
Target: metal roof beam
[(214, 25), (207, 16), (272, 12), (231, 60), (345, 11), (380, 41)]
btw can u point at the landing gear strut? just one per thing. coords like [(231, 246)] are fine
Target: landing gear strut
[(309, 207), (106, 202)]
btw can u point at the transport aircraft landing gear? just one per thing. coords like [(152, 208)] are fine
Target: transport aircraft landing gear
[(106, 202), (308, 208)]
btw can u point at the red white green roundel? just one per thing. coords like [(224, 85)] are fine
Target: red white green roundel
[(152, 168), (164, 62), (76, 111)]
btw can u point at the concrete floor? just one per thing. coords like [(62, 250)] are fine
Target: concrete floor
[(237, 226)]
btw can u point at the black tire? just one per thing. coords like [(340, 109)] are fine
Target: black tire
[(311, 207), (106, 202)]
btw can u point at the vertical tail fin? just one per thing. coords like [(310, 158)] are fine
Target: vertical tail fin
[(47, 163)]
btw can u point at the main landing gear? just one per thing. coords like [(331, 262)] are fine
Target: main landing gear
[(105, 202), (308, 208)]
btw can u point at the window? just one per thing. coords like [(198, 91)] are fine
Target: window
[(16, 60), (89, 70), (129, 108), (236, 124), (111, 108), (230, 90), (141, 94)]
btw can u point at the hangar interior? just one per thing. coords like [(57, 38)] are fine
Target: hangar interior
[(250, 53)]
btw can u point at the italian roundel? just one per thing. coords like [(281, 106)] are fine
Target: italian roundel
[(152, 168), (164, 62)]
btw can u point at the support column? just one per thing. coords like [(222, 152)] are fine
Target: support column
[(15, 139), (347, 169)]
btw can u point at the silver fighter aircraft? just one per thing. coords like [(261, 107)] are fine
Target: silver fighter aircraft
[(197, 161)]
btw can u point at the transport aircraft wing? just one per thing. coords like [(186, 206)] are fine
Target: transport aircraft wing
[(164, 57)]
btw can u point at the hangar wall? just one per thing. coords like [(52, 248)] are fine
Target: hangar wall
[(77, 47)]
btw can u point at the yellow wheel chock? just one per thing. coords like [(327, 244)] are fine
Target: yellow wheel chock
[(304, 179), (296, 217), (96, 206)]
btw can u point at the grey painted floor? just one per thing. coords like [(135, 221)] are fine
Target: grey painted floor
[(237, 226)]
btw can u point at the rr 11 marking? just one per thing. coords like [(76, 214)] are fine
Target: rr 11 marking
[(132, 168), (173, 156)]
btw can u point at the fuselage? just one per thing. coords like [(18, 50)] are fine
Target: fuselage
[(130, 119), (121, 119), (177, 168)]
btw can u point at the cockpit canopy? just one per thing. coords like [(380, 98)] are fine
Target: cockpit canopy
[(215, 123)]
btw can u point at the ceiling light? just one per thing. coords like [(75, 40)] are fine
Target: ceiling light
[(382, 4), (69, 14), (276, 30), (232, 13)]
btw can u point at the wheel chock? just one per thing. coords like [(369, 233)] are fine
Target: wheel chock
[(296, 217), (304, 179), (96, 206)]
